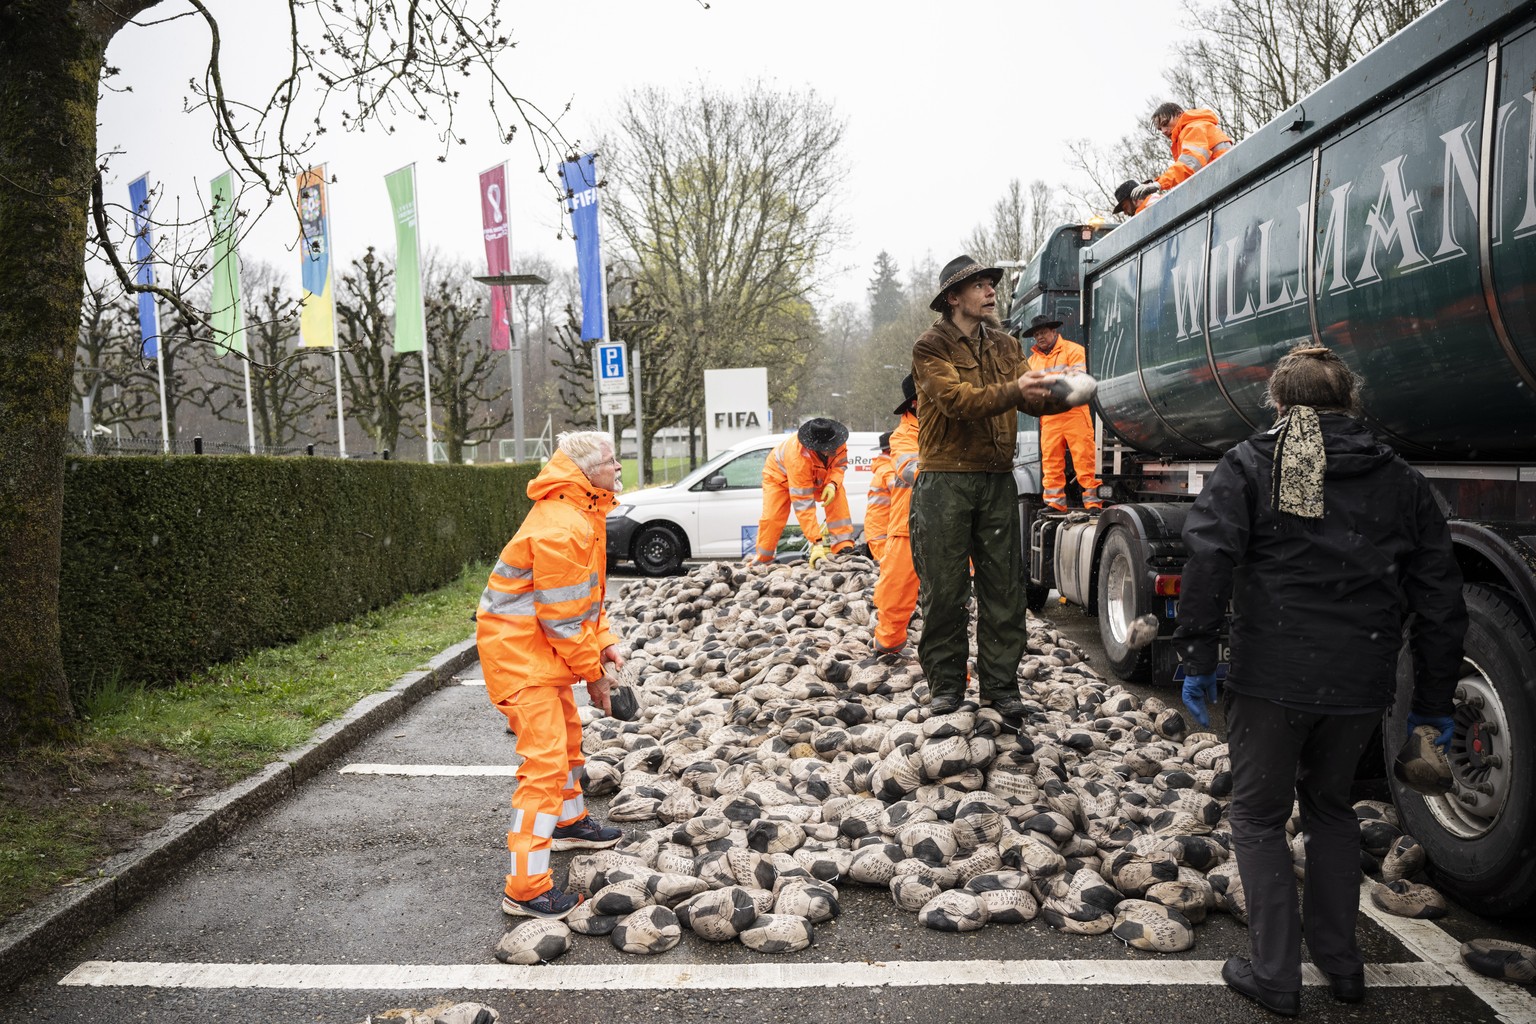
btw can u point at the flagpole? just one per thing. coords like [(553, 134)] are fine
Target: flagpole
[(335, 271), (426, 345), (165, 416)]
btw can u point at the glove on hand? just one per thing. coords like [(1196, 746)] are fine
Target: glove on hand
[(828, 493), (1198, 690), (1143, 190), (1442, 724), (818, 552)]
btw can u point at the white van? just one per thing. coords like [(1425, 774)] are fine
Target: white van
[(713, 512)]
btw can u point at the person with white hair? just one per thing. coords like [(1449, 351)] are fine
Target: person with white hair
[(541, 629)]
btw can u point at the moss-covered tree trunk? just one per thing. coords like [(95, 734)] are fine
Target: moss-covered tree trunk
[(50, 61)]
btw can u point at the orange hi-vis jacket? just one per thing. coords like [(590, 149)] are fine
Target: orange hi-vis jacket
[(1197, 140), (541, 620), (1066, 431), (802, 475), (877, 509), (896, 589)]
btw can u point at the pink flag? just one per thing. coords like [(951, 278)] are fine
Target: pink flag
[(498, 251)]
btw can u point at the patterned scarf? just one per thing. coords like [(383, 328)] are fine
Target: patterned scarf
[(1297, 485)]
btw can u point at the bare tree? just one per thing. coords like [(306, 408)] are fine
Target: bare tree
[(106, 362), (463, 365), (724, 205), (375, 378), (1020, 221), (354, 62)]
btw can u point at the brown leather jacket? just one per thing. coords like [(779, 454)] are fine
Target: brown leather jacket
[(966, 414)]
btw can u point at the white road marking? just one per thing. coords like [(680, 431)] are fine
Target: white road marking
[(1425, 939), (467, 770), (472, 682), (860, 974)]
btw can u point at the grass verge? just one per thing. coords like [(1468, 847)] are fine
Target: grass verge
[(147, 753)]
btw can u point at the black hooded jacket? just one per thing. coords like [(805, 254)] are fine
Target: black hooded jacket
[(1318, 606)]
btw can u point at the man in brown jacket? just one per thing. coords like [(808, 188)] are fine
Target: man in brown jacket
[(973, 380)]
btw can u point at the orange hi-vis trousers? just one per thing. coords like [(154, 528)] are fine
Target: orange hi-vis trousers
[(548, 792), (895, 595), (776, 507), (1068, 430)]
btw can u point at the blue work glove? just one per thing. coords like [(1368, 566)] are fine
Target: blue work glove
[(1198, 690), (1442, 724)]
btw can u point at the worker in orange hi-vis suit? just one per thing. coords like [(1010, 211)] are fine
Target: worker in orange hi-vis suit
[(1071, 430), (1194, 137), (801, 471), (877, 508), (541, 629), (896, 589)]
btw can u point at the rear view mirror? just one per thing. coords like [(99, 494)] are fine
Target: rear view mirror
[(715, 483)]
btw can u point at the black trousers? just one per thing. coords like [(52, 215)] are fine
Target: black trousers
[(1280, 755)]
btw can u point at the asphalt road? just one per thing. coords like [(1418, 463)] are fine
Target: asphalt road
[(372, 890)]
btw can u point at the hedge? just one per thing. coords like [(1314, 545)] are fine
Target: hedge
[(171, 564)]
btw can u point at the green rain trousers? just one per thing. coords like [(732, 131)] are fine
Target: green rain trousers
[(958, 517)]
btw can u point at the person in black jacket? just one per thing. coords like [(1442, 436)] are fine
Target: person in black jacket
[(1322, 538)]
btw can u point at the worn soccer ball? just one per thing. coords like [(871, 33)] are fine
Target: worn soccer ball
[(814, 901), (933, 842), (534, 942), (584, 920), (1009, 906), (718, 915), (778, 933), (652, 929), (1409, 899), (1152, 926), (954, 911), (1508, 961), (621, 898)]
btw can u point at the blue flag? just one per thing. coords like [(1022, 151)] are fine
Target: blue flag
[(144, 266), (580, 177)]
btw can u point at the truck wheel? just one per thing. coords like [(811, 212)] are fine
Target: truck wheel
[(1122, 599), (658, 551), (1035, 594), (1481, 837)]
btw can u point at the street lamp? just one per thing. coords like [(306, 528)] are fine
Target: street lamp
[(514, 351)]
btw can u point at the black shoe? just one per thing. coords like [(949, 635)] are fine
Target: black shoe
[(1347, 988), (1012, 709), (1237, 972), (944, 705)]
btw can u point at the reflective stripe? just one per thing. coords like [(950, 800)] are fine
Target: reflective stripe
[(544, 825), (1190, 162), (1221, 147), (802, 506), (557, 595), (496, 602), (874, 502), (1204, 153), (564, 628), (511, 572), (908, 475), (573, 808), (538, 861), (517, 820), (839, 524), (570, 779), (803, 492)]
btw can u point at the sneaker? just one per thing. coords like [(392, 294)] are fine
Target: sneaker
[(586, 834), (551, 905)]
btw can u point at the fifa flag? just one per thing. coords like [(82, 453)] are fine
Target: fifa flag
[(144, 267), (317, 321), (225, 313), (410, 312), (580, 177), (498, 250)]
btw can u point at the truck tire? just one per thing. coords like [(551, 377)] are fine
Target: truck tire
[(1122, 587), (1035, 594), (1481, 838), (658, 550)]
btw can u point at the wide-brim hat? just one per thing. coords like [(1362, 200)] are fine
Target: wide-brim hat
[(908, 395), (958, 271), (1421, 765), (884, 441), (822, 435), (1039, 322)]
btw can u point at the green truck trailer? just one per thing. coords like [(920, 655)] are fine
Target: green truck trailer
[(1390, 215)]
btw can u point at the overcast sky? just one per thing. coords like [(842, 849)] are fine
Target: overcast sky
[(1009, 83)]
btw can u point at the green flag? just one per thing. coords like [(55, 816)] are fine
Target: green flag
[(410, 312), (228, 319)]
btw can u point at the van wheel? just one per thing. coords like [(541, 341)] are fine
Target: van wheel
[(1122, 600), (658, 551), (1479, 837)]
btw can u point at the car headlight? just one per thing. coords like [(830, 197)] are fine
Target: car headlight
[(620, 512)]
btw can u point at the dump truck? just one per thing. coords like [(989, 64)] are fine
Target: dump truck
[(1390, 215)]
